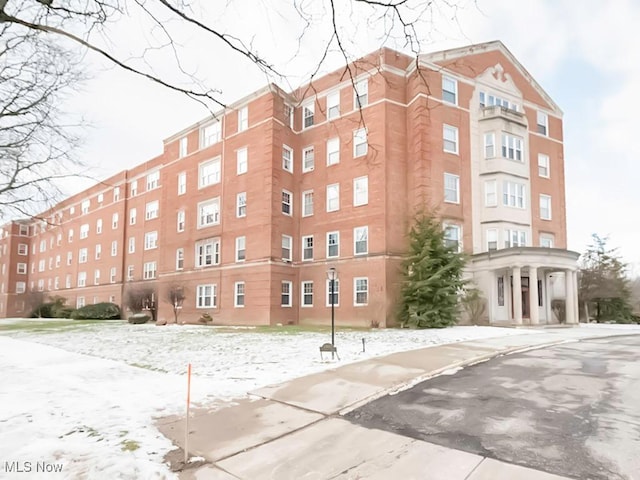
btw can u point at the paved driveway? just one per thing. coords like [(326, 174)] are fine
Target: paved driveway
[(572, 409)]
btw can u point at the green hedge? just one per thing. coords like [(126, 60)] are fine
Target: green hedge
[(98, 311)]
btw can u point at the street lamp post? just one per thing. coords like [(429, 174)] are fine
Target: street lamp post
[(332, 274)]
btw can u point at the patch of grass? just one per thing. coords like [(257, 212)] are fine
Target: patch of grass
[(36, 325), (294, 329), (129, 445), (148, 367)]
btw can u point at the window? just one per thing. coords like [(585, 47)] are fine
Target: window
[(208, 252), (84, 232), (210, 134), (180, 221), (134, 188), (206, 296), (360, 291), (513, 194), (490, 193), (98, 227), (285, 294), (287, 159), (492, 239), (308, 112), (360, 240), (59, 237), (307, 248), (546, 240), (21, 287), (543, 165), (80, 302), (307, 294), (333, 197), (449, 90), (114, 248), (56, 283), (542, 123), (308, 159), (333, 244), (183, 147), (243, 119), (69, 258), (359, 142), (70, 236), (96, 277), (361, 94), (98, 254), (42, 265), (151, 210), (209, 172), (451, 188), (130, 272), (116, 194), (450, 139), (545, 207), (23, 249), (287, 242), (179, 258), (22, 268), (58, 258), (515, 238), (241, 204), (489, 145), (501, 291), (82, 279), (209, 212), (288, 114), (43, 243), (153, 180), (133, 213), (24, 231), (238, 300), (149, 270), (490, 100), (132, 245), (512, 147), (333, 105), (67, 281), (336, 292), (150, 240), (452, 236), (84, 206), (241, 249), (182, 183), (82, 255), (307, 203), (114, 221), (287, 206), (241, 161), (333, 151)]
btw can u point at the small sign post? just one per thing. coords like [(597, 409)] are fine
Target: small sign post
[(186, 429)]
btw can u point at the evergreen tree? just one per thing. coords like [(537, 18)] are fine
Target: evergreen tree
[(432, 276)]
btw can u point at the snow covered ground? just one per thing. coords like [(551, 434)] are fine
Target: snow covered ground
[(83, 396)]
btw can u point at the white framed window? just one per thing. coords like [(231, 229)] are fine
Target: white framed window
[(333, 151), (207, 296), (149, 270), (182, 183), (130, 272), (209, 172), (360, 191), (58, 257), (449, 90), (287, 202), (512, 147), (42, 265), (116, 194), (59, 236), (286, 292), (96, 277), (82, 255), (513, 194), (241, 204), (209, 212), (307, 248), (336, 292), (489, 145), (22, 268), (132, 245), (43, 243), (242, 161), (360, 145), (287, 159), (180, 221), (23, 249), (490, 193), (98, 227), (183, 147), (133, 214), (333, 197), (67, 281), (56, 283), (490, 100), (307, 203), (239, 294), (492, 239), (308, 159), (333, 105), (114, 221), (134, 188), (543, 165), (84, 206), (360, 291), (151, 210), (287, 247), (80, 302), (243, 119), (453, 236), (112, 274), (98, 254), (289, 114), (210, 134), (153, 180), (150, 240), (361, 94), (82, 279), (84, 231), (450, 139), (546, 240), (21, 287), (333, 244), (360, 240), (180, 259), (306, 291), (542, 126), (451, 188), (308, 112), (69, 238), (208, 252), (23, 230), (114, 248), (241, 249), (69, 258), (515, 238), (545, 207)]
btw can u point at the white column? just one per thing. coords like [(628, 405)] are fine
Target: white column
[(575, 295), (533, 296), (516, 295), (569, 294)]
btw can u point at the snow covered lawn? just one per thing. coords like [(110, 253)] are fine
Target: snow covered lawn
[(82, 396)]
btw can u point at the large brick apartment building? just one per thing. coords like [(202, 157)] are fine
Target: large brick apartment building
[(246, 210)]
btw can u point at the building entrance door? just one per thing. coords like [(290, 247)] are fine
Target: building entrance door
[(524, 296)]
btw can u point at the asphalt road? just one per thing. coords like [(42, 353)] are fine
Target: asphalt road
[(572, 409)]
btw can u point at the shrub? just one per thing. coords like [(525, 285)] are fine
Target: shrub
[(98, 311), (62, 312), (54, 308), (205, 318), (139, 318)]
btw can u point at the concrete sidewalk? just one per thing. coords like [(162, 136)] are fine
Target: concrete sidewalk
[(293, 430)]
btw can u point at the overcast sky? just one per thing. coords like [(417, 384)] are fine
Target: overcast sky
[(584, 54)]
